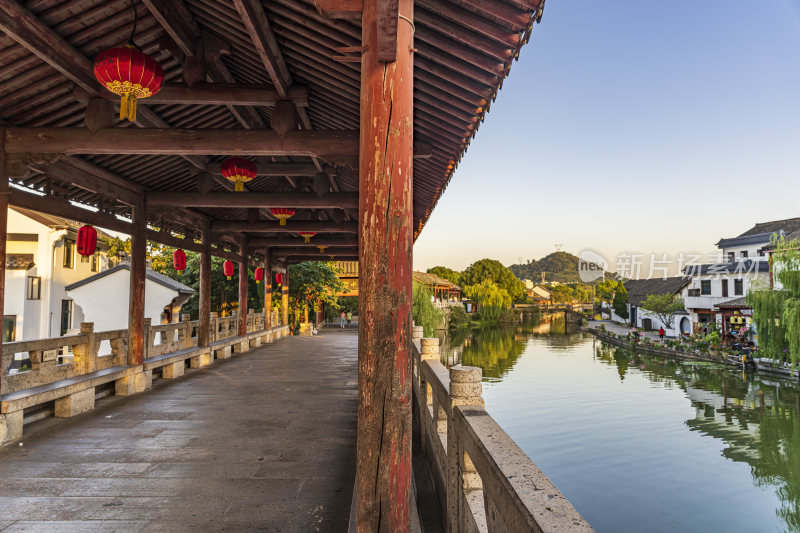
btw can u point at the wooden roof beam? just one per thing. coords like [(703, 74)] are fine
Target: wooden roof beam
[(186, 142), (269, 242), (340, 9), (212, 94), (269, 168), (340, 200), (263, 39), (264, 226)]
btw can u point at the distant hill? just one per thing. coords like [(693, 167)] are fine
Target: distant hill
[(558, 266)]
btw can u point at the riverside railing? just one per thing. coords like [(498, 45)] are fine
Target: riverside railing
[(61, 376), (484, 481)]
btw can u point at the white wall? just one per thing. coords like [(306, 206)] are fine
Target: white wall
[(105, 301)]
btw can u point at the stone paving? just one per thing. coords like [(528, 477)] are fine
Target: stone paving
[(264, 441)]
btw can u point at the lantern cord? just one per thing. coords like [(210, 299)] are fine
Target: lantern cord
[(135, 22)]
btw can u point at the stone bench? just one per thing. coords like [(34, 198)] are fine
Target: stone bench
[(72, 396), (173, 364)]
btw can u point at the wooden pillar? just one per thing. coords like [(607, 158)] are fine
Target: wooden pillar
[(383, 471), (243, 287), (136, 298), (285, 298), (267, 291), (3, 232), (204, 298)]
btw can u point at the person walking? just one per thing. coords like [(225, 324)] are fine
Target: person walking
[(661, 333), (349, 318), (341, 320)]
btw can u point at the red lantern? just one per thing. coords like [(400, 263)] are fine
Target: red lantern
[(129, 73), (239, 171), (259, 274), (179, 260), (279, 278), (282, 214), (227, 268), (307, 235), (87, 240)]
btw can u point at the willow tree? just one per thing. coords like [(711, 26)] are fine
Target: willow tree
[(776, 313), (491, 299), (423, 311)]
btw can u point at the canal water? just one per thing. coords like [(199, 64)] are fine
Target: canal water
[(642, 443)]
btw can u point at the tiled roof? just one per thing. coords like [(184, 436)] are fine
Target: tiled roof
[(743, 267), (736, 303), (432, 280), (152, 275), (638, 289), (745, 240), (787, 226)]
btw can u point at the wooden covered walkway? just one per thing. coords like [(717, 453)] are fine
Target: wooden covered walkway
[(265, 441)]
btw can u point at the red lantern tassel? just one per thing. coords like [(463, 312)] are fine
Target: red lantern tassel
[(127, 107), (239, 186)]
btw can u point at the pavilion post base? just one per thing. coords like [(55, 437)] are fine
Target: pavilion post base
[(241, 347), (223, 353), (10, 426), (134, 384), (255, 342), (173, 370), (75, 404), (306, 329)]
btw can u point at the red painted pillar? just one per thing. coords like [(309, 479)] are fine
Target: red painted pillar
[(285, 298), (267, 291), (383, 477), (136, 298), (3, 233), (204, 307), (243, 287)]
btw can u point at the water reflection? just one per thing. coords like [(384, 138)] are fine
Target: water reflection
[(756, 416)]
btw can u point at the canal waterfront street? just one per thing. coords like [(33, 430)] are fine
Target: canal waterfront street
[(644, 443)]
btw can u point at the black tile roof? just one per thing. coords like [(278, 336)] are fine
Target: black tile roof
[(744, 267), (152, 275), (745, 240), (638, 289)]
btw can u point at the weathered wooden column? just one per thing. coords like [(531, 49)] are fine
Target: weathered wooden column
[(267, 291), (3, 234), (383, 476), (136, 299), (243, 287), (204, 298), (285, 298)]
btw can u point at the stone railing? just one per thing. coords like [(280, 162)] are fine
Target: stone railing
[(484, 481), (67, 370)]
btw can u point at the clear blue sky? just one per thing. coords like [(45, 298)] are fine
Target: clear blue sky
[(631, 125)]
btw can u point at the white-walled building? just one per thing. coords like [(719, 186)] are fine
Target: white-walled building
[(103, 298), (41, 260), (639, 289)]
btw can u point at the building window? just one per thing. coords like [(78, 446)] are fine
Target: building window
[(738, 287), (69, 253), (34, 288), (731, 256), (744, 254), (66, 316), (705, 287), (9, 328), (724, 287), (96, 262)]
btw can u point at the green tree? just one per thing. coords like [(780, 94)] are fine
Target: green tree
[(423, 311), (446, 273), (776, 313), (620, 303), (490, 297), (562, 294), (309, 283), (489, 269), (664, 306), (604, 290)]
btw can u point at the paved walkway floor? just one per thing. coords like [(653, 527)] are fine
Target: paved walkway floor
[(261, 442), (622, 329)]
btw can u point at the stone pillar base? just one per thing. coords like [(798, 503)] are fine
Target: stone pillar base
[(223, 353), (75, 404), (255, 343), (10, 426), (173, 370), (134, 384), (306, 329), (202, 360), (241, 347)]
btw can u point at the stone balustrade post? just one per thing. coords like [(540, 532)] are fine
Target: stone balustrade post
[(213, 327), (85, 359), (429, 351), (185, 331), (465, 390), (149, 338), (417, 332)]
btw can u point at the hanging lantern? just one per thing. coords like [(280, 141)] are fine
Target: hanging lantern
[(279, 278), (307, 235), (179, 260), (239, 171), (227, 268), (87, 240), (129, 73), (259, 274), (282, 214)]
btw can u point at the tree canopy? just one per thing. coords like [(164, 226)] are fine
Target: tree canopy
[(490, 297), (620, 303), (423, 311), (449, 274), (664, 306), (489, 269), (557, 266)]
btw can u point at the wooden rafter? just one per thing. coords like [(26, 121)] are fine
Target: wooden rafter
[(238, 226), (341, 200)]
